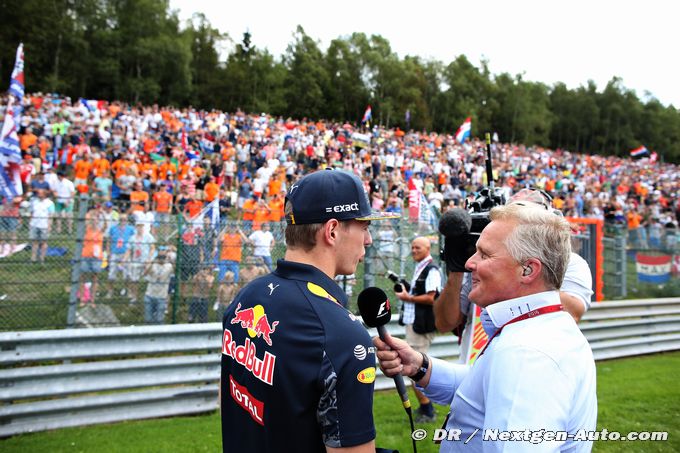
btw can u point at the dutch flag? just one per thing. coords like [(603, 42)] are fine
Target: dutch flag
[(90, 104), (9, 139), (190, 152), (463, 131), (368, 114), (653, 269), (639, 152)]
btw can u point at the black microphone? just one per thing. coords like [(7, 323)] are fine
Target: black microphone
[(455, 222), (459, 244), (374, 307)]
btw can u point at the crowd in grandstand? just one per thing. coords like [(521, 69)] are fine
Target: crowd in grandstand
[(150, 163)]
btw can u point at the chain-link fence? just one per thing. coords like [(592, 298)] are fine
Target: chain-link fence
[(641, 263), (100, 265)]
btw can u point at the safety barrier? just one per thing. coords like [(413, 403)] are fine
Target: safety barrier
[(61, 378)]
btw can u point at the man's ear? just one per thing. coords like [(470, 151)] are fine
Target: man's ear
[(531, 270), (330, 231)]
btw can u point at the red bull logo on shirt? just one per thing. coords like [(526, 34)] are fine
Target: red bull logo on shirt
[(256, 321), (246, 355)]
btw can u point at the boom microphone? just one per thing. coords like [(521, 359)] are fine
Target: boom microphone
[(374, 307), (455, 223)]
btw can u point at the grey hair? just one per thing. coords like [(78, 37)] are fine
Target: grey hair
[(538, 234)]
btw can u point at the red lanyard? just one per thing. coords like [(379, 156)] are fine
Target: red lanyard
[(532, 314)]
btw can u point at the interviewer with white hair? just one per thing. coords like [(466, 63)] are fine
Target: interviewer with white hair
[(537, 371)]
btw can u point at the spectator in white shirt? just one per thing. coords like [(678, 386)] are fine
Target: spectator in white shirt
[(42, 209), (64, 191), (263, 242)]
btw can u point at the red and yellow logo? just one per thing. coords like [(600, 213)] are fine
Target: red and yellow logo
[(366, 376), (255, 320)]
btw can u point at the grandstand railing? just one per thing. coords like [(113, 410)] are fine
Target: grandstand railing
[(61, 378)]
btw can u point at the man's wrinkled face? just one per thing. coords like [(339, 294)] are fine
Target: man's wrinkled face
[(496, 276), (420, 249)]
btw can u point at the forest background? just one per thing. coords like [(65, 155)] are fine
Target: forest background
[(137, 51)]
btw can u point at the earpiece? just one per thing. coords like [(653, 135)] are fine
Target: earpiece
[(527, 271)]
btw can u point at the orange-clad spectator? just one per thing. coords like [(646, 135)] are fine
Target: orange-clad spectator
[(120, 167), (231, 250), (634, 219), (28, 139), (558, 203), (44, 146), (162, 201), (100, 166), (275, 183), (261, 214), (149, 145), (184, 168), (199, 171), (276, 208), (114, 108), (92, 255), (139, 199), (37, 102), (549, 185), (167, 167), (211, 190), (441, 179), (81, 170), (248, 210), (162, 207), (148, 168), (192, 208)]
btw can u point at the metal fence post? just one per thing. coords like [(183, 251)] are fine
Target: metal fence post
[(75, 262), (178, 263), (620, 244)]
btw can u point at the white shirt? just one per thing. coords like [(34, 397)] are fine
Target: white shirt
[(536, 374), (433, 282), (144, 218), (64, 189), (578, 280), (40, 212), (159, 280), (262, 241)]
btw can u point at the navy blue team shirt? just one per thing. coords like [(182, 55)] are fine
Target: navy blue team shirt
[(297, 368)]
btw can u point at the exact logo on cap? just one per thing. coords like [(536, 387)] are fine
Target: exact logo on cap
[(329, 194), (343, 208)]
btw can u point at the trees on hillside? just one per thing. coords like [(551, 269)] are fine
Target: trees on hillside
[(137, 51)]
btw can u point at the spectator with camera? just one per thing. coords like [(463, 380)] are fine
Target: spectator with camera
[(417, 314)]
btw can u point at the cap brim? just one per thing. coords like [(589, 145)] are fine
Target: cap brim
[(375, 215)]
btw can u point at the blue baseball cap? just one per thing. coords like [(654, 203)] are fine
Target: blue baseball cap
[(330, 194)]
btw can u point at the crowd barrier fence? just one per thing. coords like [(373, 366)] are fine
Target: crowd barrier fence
[(75, 377)]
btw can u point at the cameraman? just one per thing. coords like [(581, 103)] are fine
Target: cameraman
[(454, 310), (417, 314)]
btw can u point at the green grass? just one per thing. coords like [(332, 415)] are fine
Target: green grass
[(636, 394)]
